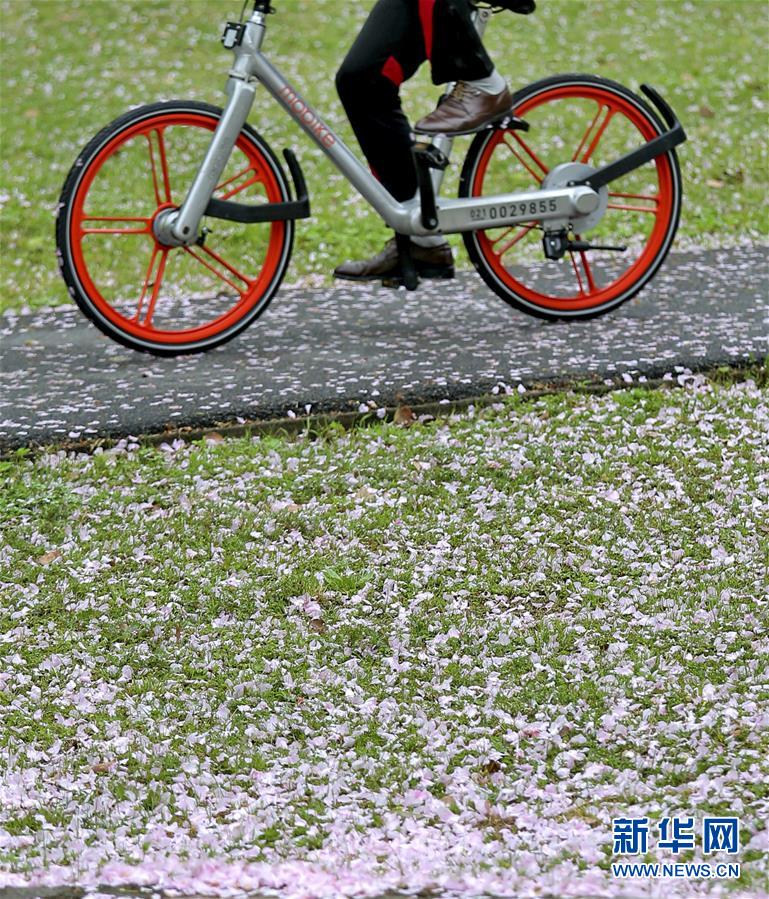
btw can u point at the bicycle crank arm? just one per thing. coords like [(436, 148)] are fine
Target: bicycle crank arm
[(249, 213), (658, 146)]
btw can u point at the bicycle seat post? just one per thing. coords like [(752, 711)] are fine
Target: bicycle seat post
[(442, 143)]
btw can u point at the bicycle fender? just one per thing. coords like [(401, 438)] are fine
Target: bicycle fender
[(249, 213), (657, 146)]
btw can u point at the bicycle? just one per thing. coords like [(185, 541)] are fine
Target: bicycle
[(155, 275)]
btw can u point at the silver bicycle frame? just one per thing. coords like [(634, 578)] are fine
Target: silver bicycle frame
[(454, 215)]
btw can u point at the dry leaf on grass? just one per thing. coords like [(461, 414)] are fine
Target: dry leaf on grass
[(404, 416), (49, 557)]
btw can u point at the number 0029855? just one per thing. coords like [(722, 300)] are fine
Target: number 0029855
[(532, 207)]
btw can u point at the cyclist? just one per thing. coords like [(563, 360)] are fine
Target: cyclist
[(397, 37)]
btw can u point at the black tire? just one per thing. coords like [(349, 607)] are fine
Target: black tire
[(102, 154), (503, 280)]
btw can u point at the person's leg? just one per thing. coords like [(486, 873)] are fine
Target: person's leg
[(455, 51), (457, 54), (388, 50)]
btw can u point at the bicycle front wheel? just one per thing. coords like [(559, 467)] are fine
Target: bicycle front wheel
[(585, 121), (141, 293)]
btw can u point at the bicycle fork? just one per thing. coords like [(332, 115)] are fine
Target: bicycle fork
[(180, 227)]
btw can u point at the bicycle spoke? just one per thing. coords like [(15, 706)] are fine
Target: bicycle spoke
[(588, 272), (599, 132), (254, 179), (152, 283), (156, 181), (147, 229), (629, 207), (576, 272), (226, 265), (586, 134), (164, 163), (234, 178), (532, 156), (156, 288), (592, 286), (511, 243), (230, 268)]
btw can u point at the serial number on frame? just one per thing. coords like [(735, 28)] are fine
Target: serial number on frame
[(513, 210)]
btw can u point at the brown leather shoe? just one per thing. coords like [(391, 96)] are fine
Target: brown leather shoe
[(466, 110), (430, 262)]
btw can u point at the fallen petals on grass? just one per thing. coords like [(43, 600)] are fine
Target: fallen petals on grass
[(440, 657)]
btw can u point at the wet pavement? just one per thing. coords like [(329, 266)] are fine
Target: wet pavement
[(360, 347)]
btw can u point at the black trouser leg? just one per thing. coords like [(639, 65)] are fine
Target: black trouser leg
[(395, 40), (457, 53), (388, 50)]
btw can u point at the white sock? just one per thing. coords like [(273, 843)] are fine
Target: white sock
[(494, 84), (429, 240)]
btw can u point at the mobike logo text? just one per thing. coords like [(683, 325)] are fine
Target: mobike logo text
[(307, 117)]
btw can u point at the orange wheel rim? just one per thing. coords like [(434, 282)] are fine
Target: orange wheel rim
[(587, 292), (250, 288)]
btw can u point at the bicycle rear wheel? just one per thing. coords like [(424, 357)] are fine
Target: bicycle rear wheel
[(588, 122), (141, 293)]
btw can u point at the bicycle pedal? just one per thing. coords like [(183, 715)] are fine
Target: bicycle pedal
[(511, 123), (430, 156)]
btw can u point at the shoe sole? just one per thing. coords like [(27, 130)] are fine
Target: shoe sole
[(432, 273), (483, 127)]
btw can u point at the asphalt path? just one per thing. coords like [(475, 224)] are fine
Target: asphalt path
[(359, 347)]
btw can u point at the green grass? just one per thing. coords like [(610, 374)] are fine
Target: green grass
[(71, 67), (572, 590)]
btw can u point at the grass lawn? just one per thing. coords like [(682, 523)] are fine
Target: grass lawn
[(71, 66), (440, 656)]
